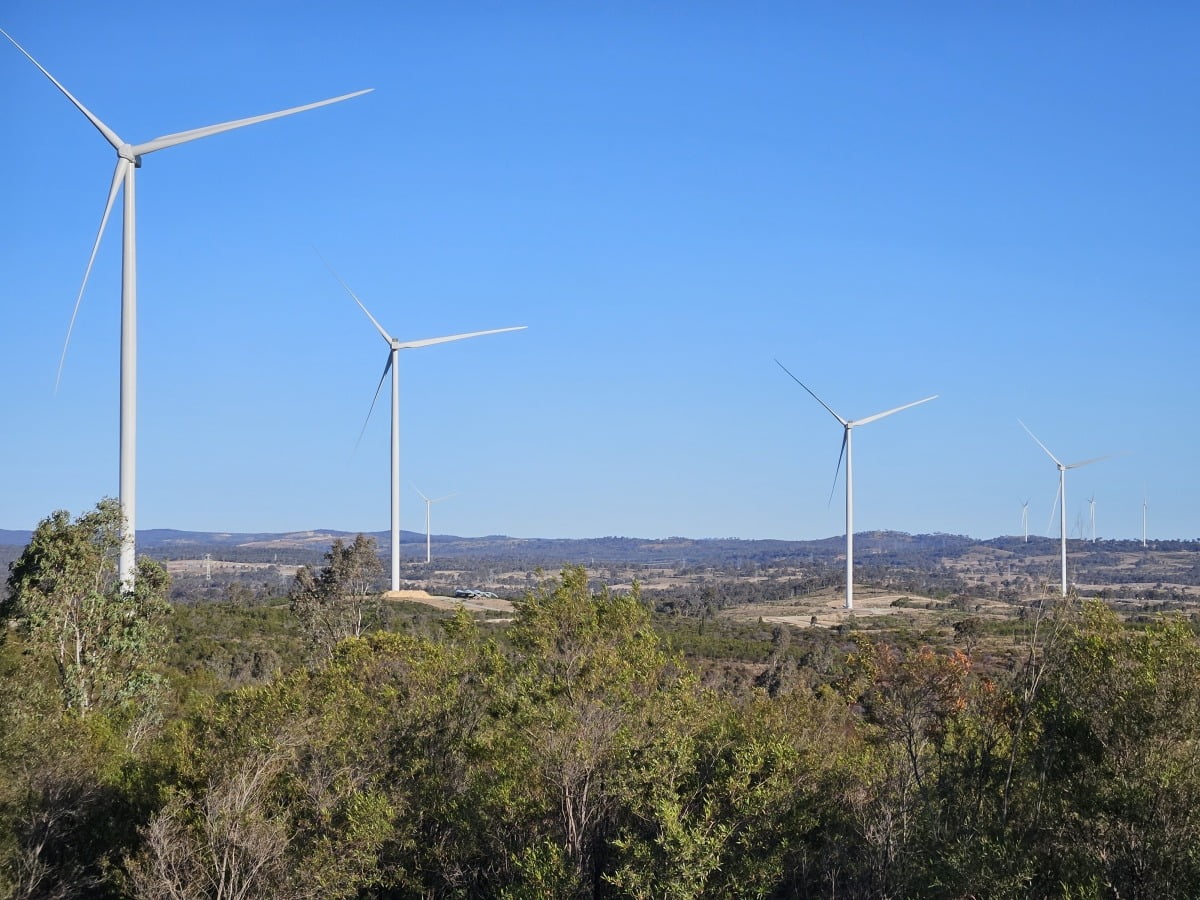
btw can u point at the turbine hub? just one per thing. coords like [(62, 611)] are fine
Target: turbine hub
[(125, 151)]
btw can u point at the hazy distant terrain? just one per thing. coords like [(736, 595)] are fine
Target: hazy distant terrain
[(1006, 569)]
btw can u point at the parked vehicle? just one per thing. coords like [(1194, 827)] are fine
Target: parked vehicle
[(468, 593)]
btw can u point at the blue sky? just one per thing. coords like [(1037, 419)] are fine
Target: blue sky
[(996, 203)]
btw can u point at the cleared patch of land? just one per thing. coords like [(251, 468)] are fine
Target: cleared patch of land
[(827, 609), (475, 604)]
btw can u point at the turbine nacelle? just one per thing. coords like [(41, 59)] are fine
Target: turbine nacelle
[(129, 153)]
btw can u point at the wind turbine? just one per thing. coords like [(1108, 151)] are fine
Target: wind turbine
[(1092, 509), (129, 159), (428, 504), (1025, 519), (848, 426), (1145, 503), (1062, 494), (393, 365)]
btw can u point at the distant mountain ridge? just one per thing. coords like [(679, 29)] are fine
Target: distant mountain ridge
[(173, 537), (176, 539), (305, 546), (873, 548)]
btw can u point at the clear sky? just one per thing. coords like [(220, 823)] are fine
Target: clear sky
[(995, 203)]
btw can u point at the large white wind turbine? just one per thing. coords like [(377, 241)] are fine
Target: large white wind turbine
[(848, 426), (1062, 495), (129, 159), (428, 506), (392, 365), (1092, 509), (1025, 519)]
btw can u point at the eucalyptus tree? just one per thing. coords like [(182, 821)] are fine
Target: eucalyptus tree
[(342, 599), (66, 597)]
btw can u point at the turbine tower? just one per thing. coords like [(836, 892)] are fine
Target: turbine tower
[(1025, 519), (428, 504), (1062, 494), (129, 159), (393, 366), (1145, 503), (848, 426), (1053, 510), (1092, 510)]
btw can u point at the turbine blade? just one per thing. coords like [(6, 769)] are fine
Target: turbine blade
[(182, 137), (447, 497), (890, 411), (387, 337), (1087, 462), (1040, 444), (814, 396), (119, 175), (411, 345), (109, 134), (378, 388), (415, 488), (837, 471)]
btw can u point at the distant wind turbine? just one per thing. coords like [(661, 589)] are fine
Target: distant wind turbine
[(1062, 495), (848, 426), (129, 159), (1025, 519), (428, 504), (1092, 509), (393, 365), (1145, 503)]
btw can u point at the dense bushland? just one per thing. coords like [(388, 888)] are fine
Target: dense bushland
[(575, 752)]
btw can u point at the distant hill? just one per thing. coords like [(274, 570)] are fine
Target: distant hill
[(876, 550), (164, 538), (305, 546)]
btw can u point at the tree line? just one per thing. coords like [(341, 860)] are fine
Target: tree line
[(574, 752)]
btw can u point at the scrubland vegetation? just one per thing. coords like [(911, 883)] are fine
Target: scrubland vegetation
[(330, 744)]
